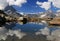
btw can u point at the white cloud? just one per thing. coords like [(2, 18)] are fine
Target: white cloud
[(4, 33), (55, 35), (17, 2), (39, 3), (56, 3), (18, 33), (38, 33), (4, 3), (58, 10), (44, 31), (45, 5), (50, 0)]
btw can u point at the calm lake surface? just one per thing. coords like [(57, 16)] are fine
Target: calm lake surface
[(31, 28)]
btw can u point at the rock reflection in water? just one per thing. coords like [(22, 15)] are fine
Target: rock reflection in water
[(10, 25)]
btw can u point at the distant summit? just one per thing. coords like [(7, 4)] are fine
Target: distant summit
[(9, 10), (48, 13)]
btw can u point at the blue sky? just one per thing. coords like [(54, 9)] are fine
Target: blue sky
[(31, 7)]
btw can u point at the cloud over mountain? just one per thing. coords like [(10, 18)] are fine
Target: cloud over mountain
[(47, 5), (4, 3), (56, 3)]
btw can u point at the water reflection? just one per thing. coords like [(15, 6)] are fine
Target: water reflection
[(31, 28)]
